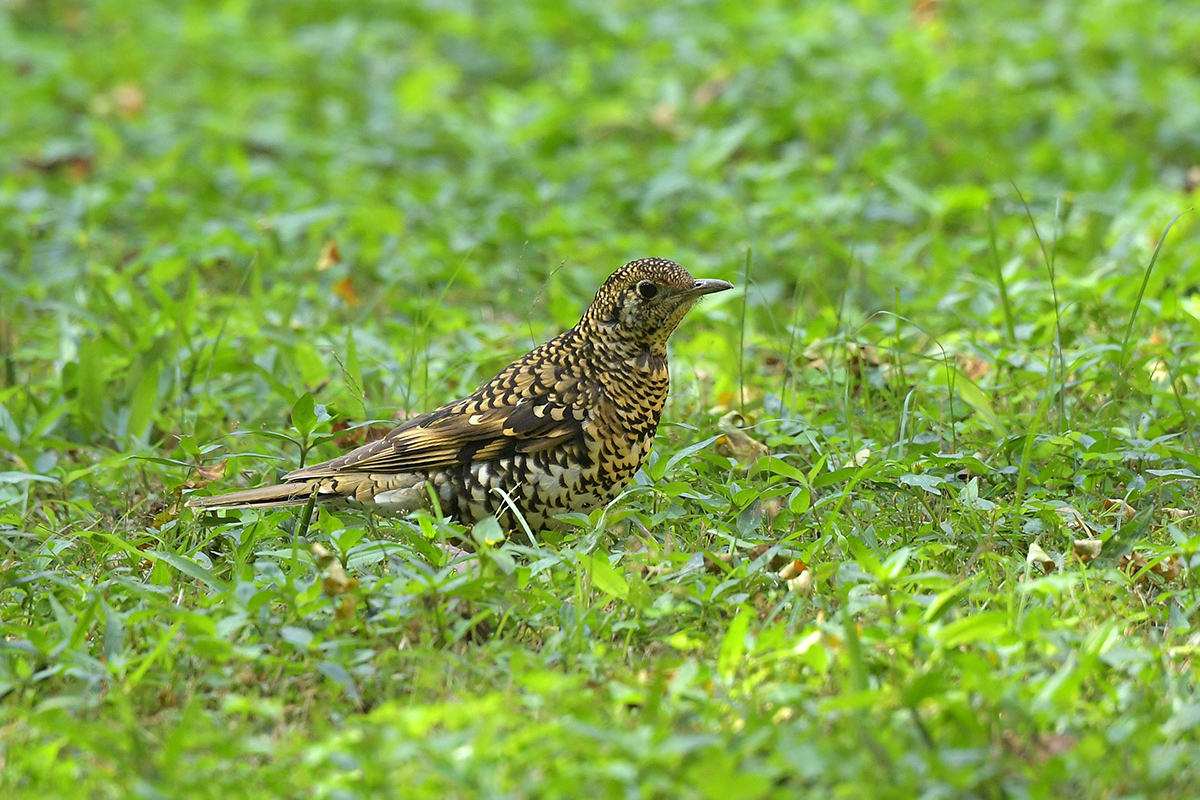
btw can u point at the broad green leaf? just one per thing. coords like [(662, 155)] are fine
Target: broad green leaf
[(144, 403), (604, 576), (190, 568), (304, 415), (984, 626), (978, 400), (733, 645)]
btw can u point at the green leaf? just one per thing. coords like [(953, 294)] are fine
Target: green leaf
[(733, 645), (682, 454), (354, 370), (144, 403), (24, 477), (190, 568), (975, 397), (604, 576), (187, 444), (487, 532), (924, 481), (985, 626), (777, 466), (339, 675), (90, 383), (304, 414)]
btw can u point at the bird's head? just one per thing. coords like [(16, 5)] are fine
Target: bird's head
[(644, 301)]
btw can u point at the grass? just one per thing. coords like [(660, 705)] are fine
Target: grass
[(231, 236)]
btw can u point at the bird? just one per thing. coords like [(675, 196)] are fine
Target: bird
[(562, 428)]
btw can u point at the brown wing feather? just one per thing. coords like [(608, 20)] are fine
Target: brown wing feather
[(459, 433)]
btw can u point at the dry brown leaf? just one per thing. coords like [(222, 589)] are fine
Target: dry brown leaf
[(1042, 748), (330, 255), (1040, 557), (1176, 514), (973, 366), (735, 443), (713, 563), (1169, 569), (211, 472), (130, 99), (337, 581), (321, 555), (1132, 563), (345, 290), (663, 114), (1073, 519), (363, 434), (857, 354), (79, 169), (1192, 180), (345, 609), (204, 475), (1127, 511), (1087, 549), (926, 11), (709, 91)]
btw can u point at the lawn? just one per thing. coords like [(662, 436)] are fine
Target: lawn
[(919, 521)]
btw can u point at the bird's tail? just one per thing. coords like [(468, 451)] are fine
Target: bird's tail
[(278, 496)]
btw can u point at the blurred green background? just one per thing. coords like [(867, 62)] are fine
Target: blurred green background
[(161, 161)]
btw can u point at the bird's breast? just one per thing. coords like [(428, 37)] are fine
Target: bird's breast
[(620, 429)]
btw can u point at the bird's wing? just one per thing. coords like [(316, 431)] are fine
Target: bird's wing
[(474, 429)]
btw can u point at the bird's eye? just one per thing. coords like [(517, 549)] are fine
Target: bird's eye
[(647, 290)]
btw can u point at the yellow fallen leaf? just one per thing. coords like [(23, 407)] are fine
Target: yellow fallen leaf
[(802, 583), (329, 256), (321, 555), (1040, 557), (1087, 549)]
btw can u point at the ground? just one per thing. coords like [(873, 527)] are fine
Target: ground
[(918, 522)]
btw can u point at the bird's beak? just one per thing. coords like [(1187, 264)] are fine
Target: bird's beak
[(709, 286)]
